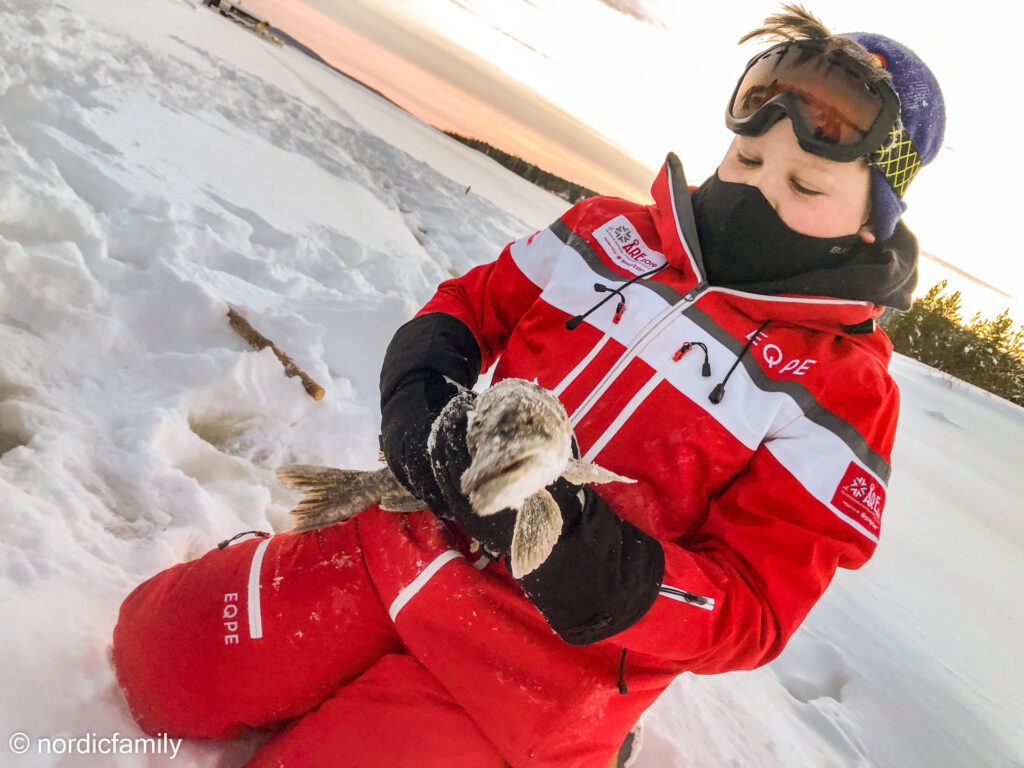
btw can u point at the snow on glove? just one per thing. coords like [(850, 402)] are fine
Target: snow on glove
[(449, 459), (603, 574), (427, 362)]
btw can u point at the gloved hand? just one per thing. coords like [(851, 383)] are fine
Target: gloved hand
[(603, 573), (427, 362), (449, 457), (406, 420)]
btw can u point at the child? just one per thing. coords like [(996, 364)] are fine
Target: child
[(729, 363)]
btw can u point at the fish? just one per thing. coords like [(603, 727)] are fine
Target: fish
[(519, 440)]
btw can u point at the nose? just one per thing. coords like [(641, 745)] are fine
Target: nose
[(766, 180), (767, 186)]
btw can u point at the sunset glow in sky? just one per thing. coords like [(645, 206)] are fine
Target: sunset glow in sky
[(599, 91)]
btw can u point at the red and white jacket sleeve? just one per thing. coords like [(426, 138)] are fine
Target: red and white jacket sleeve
[(737, 589), (490, 299)]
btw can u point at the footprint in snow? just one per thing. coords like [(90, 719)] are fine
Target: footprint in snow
[(811, 670), (940, 416)]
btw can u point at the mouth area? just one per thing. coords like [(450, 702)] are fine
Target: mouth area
[(505, 473)]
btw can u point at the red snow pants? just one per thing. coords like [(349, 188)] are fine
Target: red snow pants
[(374, 642)]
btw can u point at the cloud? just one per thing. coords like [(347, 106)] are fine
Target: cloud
[(635, 9)]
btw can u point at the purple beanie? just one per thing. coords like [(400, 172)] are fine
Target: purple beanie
[(923, 114)]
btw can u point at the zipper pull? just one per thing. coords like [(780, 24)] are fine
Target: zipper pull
[(682, 351), (258, 534), (696, 291), (619, 309), (705, 369)]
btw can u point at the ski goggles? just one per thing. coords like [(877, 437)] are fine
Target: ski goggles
[(836, 111)]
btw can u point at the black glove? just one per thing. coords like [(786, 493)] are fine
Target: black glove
[(449, 459), (603, 573), (425, 364)]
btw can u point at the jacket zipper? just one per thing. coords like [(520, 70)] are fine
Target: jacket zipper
[(690, 598)]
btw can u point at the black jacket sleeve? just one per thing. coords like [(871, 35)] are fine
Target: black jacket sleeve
[(423, 356)]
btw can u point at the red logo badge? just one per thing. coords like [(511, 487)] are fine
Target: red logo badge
[(860, 497)]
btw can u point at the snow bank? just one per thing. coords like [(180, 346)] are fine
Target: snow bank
[(157, 164)]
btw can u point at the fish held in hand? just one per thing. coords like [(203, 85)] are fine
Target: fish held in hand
[(519, 440)]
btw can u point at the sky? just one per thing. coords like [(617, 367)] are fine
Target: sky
[(600, 90)]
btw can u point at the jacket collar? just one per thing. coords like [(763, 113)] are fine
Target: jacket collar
[(673, 216)]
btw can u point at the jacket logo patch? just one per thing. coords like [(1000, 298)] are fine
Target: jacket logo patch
[(626, 248), (860, 497)]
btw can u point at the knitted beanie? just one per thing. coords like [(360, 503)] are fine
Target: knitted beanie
[(923, 116)]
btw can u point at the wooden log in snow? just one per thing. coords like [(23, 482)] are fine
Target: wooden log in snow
[(258, 341)]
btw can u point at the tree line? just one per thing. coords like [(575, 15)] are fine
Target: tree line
[(566, 190), (988, 353)]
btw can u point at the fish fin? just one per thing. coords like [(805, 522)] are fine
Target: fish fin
[(538, 526), (580, 472), (331, 495), (458, 386), (401, 502)]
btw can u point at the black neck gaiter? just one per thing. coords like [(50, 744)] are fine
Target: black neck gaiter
[(744, 241)]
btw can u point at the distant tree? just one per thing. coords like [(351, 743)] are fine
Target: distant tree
[(986, 353)]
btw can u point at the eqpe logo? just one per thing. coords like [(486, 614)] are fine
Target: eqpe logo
[(774, 357), (230, 618)]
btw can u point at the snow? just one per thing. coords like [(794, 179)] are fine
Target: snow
[(158, 163)]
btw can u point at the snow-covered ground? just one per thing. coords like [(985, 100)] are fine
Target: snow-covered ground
[(158, 163)]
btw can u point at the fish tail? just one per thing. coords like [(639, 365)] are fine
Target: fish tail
[(329, 495)]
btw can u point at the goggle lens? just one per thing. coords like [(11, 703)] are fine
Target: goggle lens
[(833, 103)]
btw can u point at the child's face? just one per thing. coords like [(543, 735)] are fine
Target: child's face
[(811, 194)]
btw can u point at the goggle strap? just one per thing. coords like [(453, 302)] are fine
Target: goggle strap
[(897, 159)]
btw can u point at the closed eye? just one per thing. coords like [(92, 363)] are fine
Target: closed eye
[(802, 190), (750, 162)]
